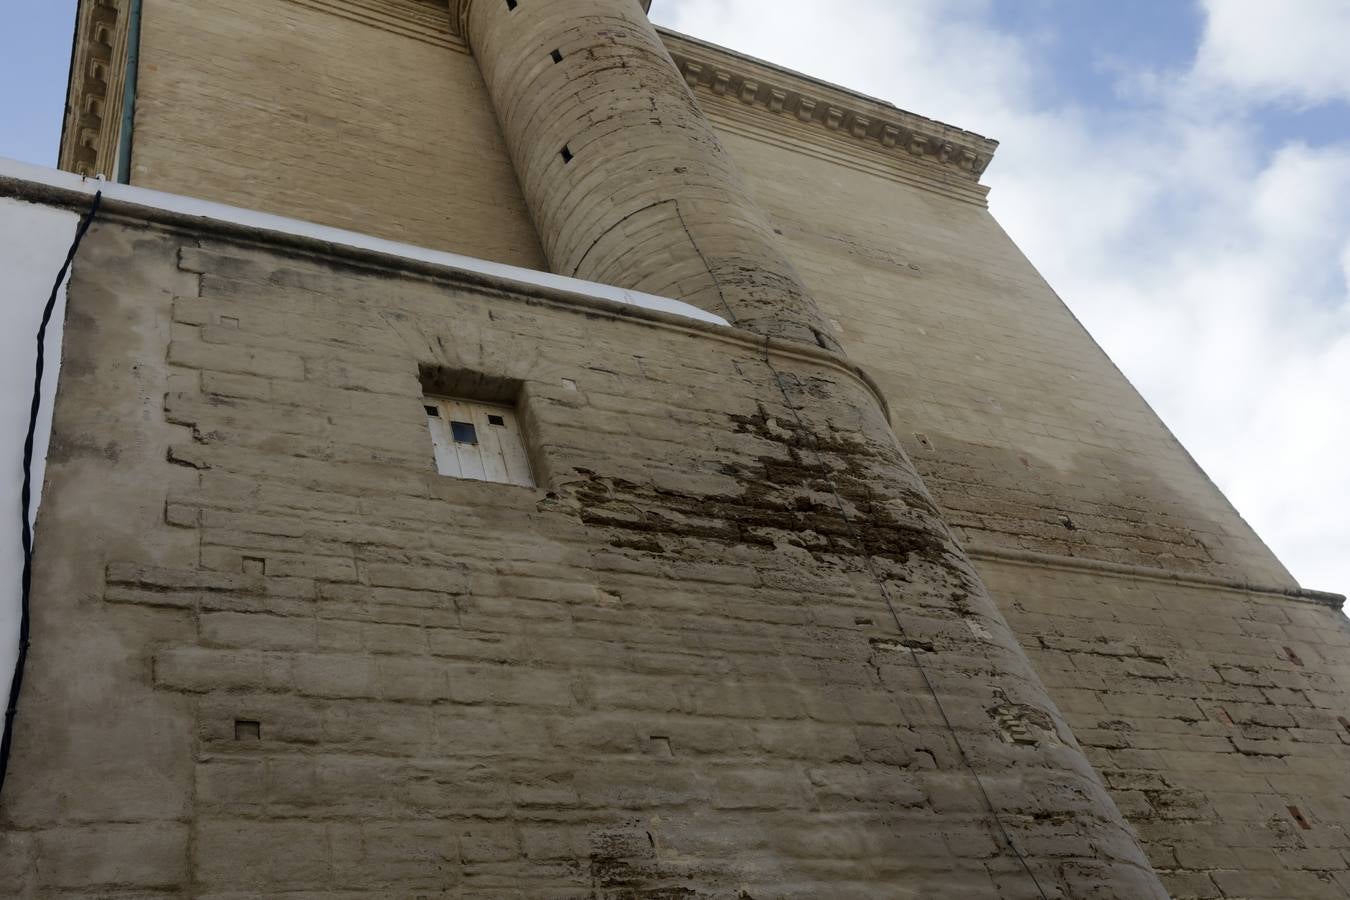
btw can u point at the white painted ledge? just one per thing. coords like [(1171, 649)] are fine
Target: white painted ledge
[(220, 212)]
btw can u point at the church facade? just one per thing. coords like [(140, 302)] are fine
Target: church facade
[(563, 458)]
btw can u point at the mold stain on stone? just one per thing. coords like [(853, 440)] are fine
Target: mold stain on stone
[(802, 495)]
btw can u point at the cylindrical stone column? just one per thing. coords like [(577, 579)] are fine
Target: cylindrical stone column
[(624, 176)]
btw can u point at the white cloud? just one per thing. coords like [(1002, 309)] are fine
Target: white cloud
[(1214, 271), (1293, 51)]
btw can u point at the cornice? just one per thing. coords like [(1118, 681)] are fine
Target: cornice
[(806, 109), (89, 131), (1189, 579)]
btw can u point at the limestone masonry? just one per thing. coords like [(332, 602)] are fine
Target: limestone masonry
[(892, 587)]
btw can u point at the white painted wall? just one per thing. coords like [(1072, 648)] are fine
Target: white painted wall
[(33, 244)]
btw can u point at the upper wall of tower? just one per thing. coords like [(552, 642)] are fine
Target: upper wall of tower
[(371, 115)]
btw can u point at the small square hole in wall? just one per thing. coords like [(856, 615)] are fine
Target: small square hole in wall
[(247, 730), (510, 4), (477, 441), (557, 56), (566, 154), (658, 745), (254, 565)]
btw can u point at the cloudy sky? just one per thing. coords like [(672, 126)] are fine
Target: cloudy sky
[(1178, 169)]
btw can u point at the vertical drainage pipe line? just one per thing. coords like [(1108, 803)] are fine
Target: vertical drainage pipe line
[(25, 497), (128, 128)]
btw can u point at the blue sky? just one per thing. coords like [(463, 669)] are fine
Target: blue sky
[(34, 63), (1211, 138)]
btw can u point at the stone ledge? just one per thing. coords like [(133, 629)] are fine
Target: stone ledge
[(1050, 560), (40, 185)]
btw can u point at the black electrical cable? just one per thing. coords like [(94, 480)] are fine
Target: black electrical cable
[(26, 495)]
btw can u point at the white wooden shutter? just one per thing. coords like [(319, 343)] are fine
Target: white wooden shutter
[(478, 441)]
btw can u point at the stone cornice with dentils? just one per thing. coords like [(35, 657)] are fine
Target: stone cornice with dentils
[(724, 73), (94, 94), (89, 145)]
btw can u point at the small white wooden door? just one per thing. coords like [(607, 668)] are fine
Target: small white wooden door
[(478, 441)]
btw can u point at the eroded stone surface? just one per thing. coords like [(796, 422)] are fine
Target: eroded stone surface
[(669, 671)]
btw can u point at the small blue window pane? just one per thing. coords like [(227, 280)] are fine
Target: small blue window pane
[(463, 433)]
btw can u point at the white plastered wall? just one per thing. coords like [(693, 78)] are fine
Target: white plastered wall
[(33, 243)]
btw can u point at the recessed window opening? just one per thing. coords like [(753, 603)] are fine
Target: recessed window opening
[(477, 441), (510, 4), (566, 154), (464, 433), (557, 56)]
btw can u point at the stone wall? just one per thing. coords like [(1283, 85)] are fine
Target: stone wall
[(625, 178), (725, 649), (360, 114), (1027, 434), (1027, 422), (1220, 718), (1051, 470)]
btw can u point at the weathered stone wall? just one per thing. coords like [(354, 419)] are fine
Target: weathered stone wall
[(625, 178), (360, 114), (1029, 423), (1016, 418), (1033, 443), (725, 649), (1219, 718), (1030, 441)]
